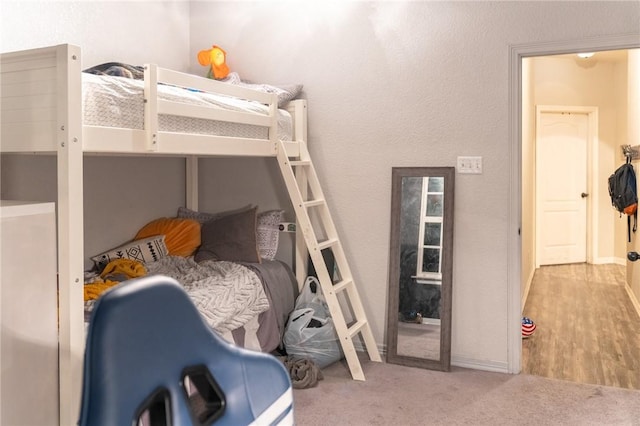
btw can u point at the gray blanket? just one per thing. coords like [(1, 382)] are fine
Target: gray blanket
[(282, 290)]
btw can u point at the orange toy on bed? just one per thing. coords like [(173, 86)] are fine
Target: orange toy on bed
[(182, 236), (216, 57)]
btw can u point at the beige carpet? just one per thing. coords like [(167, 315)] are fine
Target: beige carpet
[(396, 395)]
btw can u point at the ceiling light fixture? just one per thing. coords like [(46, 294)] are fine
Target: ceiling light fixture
[(586, 55)]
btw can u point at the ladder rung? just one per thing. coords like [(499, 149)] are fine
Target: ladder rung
[(342, 285), (304, 190), (327, 243), (356, 327), (314, 203)]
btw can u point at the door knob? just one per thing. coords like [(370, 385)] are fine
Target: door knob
[(633, 256), (584, 195)]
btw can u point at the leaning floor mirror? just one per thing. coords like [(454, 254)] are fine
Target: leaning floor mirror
[(420, 267)]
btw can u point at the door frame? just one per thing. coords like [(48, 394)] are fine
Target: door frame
[(592, 169), (514, 246)]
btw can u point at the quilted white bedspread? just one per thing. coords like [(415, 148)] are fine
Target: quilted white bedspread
[(227, 294), (119, 102)]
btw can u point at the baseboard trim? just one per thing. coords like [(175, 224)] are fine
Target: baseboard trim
[(474, 364), (360, 347), (457, 361), (633, 298), (605, 260)]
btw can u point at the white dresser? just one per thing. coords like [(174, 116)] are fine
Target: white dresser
[(28, 314)]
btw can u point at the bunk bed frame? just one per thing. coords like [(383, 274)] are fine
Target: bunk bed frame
[(42, 113)]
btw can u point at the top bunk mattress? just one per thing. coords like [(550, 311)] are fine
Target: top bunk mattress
[(110, 101)]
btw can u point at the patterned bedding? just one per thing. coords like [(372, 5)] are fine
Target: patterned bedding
[(227, 294), (246, 303), (112, 101)]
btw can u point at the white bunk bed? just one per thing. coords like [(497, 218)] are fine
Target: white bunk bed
[(42, 112)]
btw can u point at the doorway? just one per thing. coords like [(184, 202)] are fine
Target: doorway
[(563, 181), (516, 130)]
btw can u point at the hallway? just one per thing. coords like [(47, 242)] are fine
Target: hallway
[(587, 328)]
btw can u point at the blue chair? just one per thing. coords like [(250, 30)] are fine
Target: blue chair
[(151, 359)]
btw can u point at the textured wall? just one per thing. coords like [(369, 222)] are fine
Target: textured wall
[(408, 84), (388, 83), (134, 32)]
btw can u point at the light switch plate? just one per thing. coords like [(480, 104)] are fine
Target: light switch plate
[(470, 165)]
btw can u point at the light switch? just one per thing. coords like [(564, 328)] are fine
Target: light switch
[(470, 165)]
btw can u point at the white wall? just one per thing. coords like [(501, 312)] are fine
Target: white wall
[(528, 219), (408, 84), (633, 138), (625, 104), (134, 32), (388, 83)]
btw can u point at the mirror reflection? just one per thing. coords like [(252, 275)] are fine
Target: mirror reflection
[(420, 267)]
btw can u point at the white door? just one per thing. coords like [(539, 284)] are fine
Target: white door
[(561, 187)]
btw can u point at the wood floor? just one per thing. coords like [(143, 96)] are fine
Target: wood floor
[(587, 328)]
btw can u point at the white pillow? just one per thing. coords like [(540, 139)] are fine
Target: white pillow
[(268, 233), (145, 250), (285, 92)]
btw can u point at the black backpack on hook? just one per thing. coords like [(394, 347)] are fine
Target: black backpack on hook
[(622, 189)]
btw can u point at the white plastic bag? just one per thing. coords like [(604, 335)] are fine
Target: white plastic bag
[(310, 332)]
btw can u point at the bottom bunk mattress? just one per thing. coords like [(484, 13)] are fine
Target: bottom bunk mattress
[(247, 303)]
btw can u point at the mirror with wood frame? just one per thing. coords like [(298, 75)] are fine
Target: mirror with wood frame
[(420, 267)]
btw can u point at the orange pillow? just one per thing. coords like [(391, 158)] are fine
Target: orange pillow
[(182, 236)]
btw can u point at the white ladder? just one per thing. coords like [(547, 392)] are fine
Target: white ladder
[(306, 195)]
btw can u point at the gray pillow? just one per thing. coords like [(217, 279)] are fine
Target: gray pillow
[(231, 238), (202, 217), (267, 228)]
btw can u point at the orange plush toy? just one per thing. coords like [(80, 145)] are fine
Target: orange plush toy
[(216, 58)]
